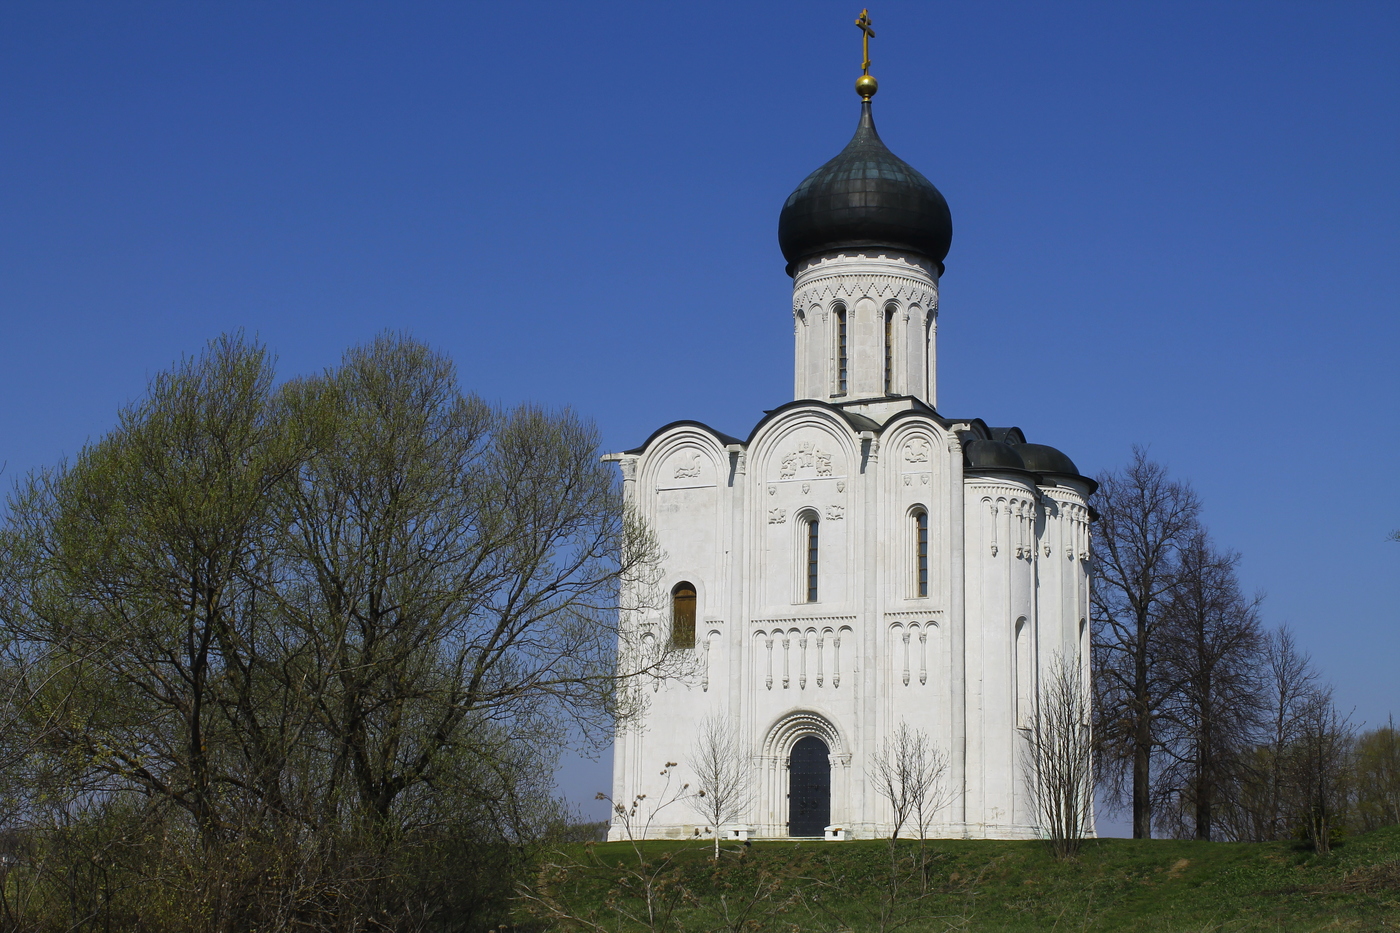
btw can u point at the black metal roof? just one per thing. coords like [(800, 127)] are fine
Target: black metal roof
[(865, 197), (1042, 458)]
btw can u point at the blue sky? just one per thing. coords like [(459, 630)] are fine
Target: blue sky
[(1175, 224)]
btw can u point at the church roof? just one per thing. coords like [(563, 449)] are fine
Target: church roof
[(1041, 458), (865, 197), (725, 440)]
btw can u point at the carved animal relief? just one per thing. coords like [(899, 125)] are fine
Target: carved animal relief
[(689, 467)]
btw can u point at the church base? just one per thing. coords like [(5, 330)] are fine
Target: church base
[(850, 831)]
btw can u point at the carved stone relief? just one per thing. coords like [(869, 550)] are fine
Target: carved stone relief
[(807, 456), (689, 466)]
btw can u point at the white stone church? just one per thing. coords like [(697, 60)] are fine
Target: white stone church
[(860, 559)]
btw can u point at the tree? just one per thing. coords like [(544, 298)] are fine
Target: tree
[(1145, 520), (457, 568), (1318, 764), (1262, 804), (909, 773), (1211, 715), (139, 582), (722, 784), (302, 635), (1377, 762), (1059, 758)]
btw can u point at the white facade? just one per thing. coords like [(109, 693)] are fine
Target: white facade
[(863, 454)]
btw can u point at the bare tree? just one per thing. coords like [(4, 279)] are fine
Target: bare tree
[(1145, 520), (1211, 717), (1263, 805), (1059, 757), (1319, 763), (720, 764), (909, 773)]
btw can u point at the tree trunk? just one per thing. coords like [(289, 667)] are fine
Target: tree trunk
[(1142, 781)]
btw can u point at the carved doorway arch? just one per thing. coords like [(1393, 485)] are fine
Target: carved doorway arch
[(810, 742)]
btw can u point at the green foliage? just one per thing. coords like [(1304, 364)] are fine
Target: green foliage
[(1377, 765), (299, 657)]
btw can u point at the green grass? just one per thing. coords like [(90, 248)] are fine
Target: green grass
[(1116, 884)]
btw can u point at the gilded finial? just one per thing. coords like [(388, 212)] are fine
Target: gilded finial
[(866, 85)]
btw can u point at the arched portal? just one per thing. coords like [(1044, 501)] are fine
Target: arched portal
[(809, 787), (777, 796)]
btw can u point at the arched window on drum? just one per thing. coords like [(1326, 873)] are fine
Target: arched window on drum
[(841, 355), (890, 311), (683, 615)]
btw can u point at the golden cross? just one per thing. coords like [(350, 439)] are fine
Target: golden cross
[(867, 34)]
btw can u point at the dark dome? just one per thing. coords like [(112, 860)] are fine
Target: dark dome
[(991, 455), (1041, 458), (866, 196)]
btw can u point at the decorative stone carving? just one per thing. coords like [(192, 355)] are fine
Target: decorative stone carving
[(841, 486), (806, 488), (777, 516), (835, 513), (689, 467), (787, 661), (916, 451), (822, 286), (905, 639), (807, 456), (923, 655)]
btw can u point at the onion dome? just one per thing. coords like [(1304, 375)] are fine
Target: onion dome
[(1041, 458), (865, 197), (982, 454)]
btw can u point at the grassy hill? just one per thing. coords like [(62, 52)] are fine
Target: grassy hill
[(1116, 884)]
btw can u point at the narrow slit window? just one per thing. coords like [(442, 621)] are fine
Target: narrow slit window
[(683, 616), (921, 552), (812, 559), (889, 350), (840, 351), (1023, 674)]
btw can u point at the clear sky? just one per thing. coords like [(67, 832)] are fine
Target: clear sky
[(1175, 224)]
